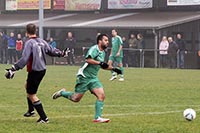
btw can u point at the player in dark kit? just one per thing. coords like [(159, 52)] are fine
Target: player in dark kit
[(34, 57)]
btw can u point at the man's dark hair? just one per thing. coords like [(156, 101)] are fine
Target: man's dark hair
[(31, 29), (100, 37), (115, 30)]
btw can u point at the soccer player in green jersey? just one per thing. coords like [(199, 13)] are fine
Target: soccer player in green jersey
[(116, 55), (87, 78)]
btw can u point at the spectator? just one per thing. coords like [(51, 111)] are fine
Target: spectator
[(70, 46), (11, 40), (163, 47), (25, 38), (125, 45), (132, 54), (141, 47), (172, 52), (53, 44), (19, 46), (140, 43), (181, 51)]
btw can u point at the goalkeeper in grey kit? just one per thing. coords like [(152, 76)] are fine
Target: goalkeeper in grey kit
[(34, 57)]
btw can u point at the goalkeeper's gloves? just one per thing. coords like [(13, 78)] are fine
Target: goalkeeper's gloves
[(103, 65), (117, 70), (10, 72), (66, 52), (59, 53)]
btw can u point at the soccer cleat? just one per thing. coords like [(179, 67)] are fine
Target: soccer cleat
[(113, 78), (121, 79), (101, 120), (43, 121), (57, 94), (29, 114)]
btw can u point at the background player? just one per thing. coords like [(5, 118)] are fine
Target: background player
[(87, 78), (34, 57), (116, 54)]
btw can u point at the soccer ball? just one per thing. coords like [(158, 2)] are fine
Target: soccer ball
[(189, 114)]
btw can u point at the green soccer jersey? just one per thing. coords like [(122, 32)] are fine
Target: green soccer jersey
[(89, 70), (116, 43)]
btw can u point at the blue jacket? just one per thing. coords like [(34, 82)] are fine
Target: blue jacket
[(11, 41), (53, 44)]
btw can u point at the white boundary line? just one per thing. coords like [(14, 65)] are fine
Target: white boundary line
[(107, 115), (107, 106)]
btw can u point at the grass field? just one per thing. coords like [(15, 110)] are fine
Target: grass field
[(148, 101)]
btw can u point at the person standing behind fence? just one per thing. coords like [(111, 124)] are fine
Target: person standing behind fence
[(125, 45), (25, 38), (181, 51), (19, 46), (141, 47), (172, 52), (132, 54), (53, 44), (163, 51), (140, 43), (11, 40), (70, 43)]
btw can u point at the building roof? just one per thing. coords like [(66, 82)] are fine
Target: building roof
[(143, 20)]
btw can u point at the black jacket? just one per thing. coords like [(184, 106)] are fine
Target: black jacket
[(173, 47), (70, 43), (181, 44)]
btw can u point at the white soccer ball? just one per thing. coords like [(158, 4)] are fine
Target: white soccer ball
[(189, 114)]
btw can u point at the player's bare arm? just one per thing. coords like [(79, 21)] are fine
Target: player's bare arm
[(92, 61), (110, 52), (103, 65), (118, 53)]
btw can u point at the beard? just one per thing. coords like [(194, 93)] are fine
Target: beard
[(104, 47)]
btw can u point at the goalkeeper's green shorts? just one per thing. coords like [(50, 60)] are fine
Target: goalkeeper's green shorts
[(115, 59), (85, 84)]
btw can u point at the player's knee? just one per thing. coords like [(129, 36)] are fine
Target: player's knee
[(101, 97), (33, 97), (109, 63), (75, 99), (120, 65)]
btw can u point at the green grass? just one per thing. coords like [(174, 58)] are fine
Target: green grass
[(148, 101)]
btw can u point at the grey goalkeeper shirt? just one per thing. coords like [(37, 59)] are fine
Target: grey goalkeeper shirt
[(34, 55)]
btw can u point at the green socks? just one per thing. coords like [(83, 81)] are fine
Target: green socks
[(66, 94), (98, 109), (122, 69), (98, 104)]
